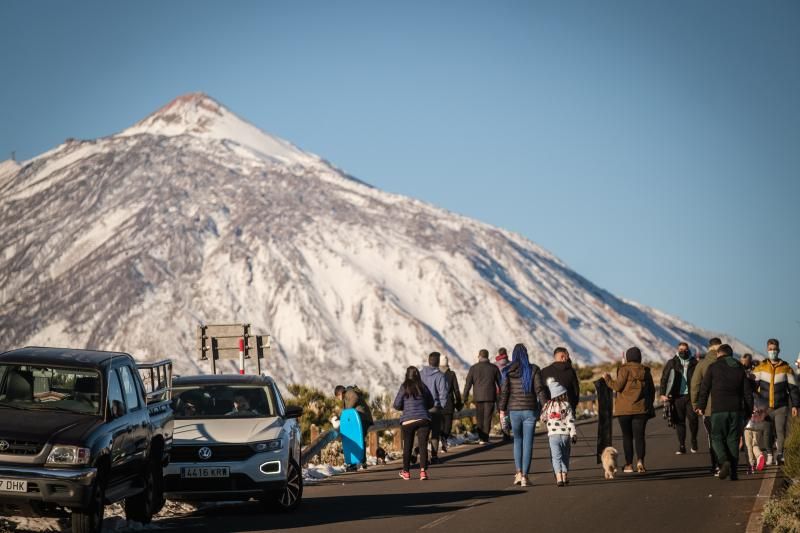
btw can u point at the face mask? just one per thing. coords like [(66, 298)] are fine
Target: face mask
[(773, 355), (683, 355)]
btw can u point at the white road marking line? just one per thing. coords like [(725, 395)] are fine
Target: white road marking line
[(438, 521)]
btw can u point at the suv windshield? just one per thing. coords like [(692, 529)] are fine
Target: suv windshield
[(223, 401), (43, 387)]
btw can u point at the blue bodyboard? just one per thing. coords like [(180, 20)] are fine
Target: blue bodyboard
[(352, 433)]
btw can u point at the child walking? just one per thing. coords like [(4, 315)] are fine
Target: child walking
[(560, 420), (756, 437)]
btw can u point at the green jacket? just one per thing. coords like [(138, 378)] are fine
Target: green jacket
[(697, 379)]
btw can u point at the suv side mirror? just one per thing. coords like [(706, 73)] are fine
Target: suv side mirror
[(294, 411)]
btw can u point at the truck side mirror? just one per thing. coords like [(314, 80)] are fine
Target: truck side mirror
[(294, 411)]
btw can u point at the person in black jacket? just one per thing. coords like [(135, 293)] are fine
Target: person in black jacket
[(726, 383), (452, 404), (561, 371), (486, 379), (675, 389), (522, 396)]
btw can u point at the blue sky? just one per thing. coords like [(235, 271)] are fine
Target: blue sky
[(653, 146)]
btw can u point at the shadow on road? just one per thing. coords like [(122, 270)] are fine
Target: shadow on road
[(330, 510)]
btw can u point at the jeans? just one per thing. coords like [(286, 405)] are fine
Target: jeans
[(779, 418), (523, 424), (421, 429), (484, 412), (633, 427), (559, 452)]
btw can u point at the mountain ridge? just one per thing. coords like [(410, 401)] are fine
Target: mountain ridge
[(139, 236)]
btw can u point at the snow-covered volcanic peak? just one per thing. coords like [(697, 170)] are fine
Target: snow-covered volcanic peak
[(201, 116), (194, 215)]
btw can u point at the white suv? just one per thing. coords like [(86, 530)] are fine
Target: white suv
[(234, 439)]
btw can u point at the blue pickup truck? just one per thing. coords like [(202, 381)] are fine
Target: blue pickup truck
[(82, 429)]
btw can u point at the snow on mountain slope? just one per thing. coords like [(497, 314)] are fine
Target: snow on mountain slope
[(194, 215)]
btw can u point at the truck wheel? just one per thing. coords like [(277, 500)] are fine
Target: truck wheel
[(90, 519), (141, 508), (292, 494)]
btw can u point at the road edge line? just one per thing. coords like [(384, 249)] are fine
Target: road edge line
[(755, 524)]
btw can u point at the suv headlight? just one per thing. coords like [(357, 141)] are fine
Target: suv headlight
[(68, 455), (267, 446)]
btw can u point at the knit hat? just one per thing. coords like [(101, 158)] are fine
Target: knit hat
[(556, 388), (633, 355)]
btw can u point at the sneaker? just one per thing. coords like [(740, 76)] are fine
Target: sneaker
[(434, 459), (628, 469), (524, 482), (405, 475), (423, 475), (517, 478), (725, 470), (640, 467), (559, 483), (681, 451), (483, 442), (751, 470), (769, 459), (779, 459), (716, 471), (761, 462), (693, 449)]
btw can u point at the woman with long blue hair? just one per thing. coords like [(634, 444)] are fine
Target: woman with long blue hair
[(522, 396)]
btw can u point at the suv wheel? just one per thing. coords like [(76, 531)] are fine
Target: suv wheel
[(141, 508), (292, 494), (90, 519)]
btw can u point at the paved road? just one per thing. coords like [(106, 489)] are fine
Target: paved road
[(472, 491)]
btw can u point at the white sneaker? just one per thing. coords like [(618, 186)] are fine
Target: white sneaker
[(525, 481), (517, 478), (693, 450), (769, 459)]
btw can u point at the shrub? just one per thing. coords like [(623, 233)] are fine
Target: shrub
[(782, 513), (317, 408), (584, 372)]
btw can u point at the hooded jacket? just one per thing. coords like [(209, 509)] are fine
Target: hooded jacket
[(564, 373), (697, 379), (675, 365), (635, 389), (513, 396), (433, 378), (776, 384), (726, 380)]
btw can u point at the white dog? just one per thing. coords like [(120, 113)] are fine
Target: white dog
[(609, 460)]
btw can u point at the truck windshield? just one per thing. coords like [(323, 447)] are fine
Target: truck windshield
[(222, 401), (42, 387)]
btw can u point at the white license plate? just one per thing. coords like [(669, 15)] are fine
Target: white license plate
[(13, 485), (193, 472)]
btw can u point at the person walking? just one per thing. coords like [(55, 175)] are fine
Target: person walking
[(522, 397), (501, 361), (756, 437), (414, 399), (777, 387), (352, 398), (562, 372), (485, 377), (452, 403), (726, 381), (675, 380), (633, 405), (433, 378), (559, 417), (694, 392)]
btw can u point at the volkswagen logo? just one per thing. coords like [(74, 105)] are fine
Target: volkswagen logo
[(4, 445), (204, 453)]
